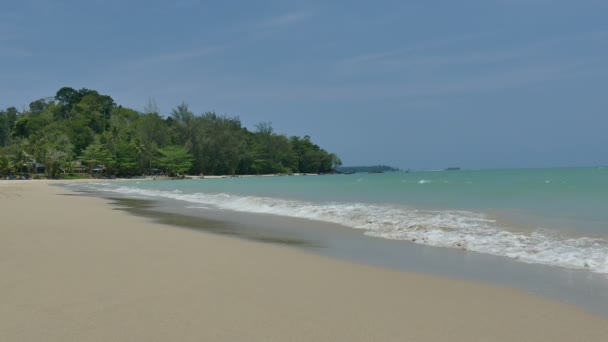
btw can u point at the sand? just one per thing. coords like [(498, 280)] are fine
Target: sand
[(74, 269)]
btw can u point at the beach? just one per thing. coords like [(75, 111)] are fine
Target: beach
[(75, 269)]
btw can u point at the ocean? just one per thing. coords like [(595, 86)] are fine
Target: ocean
[(556, 217)]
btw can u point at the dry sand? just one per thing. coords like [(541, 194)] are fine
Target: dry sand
[(74, 269)]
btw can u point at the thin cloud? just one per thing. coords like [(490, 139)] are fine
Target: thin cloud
[(480, 82), (478, 57), (410, 56), (433, 44)]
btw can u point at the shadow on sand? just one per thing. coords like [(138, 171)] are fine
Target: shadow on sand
[(145, 208)]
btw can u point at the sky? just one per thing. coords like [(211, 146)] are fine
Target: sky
[(414, 84)]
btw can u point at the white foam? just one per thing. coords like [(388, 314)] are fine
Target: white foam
[(454, 229), (424, 181)]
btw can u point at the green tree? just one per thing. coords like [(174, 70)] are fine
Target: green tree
[(7, 166), (96, 108), (67, 96), (175, 159), (20, 159), (38, 106), (272, 153), (4, 130), (222, 143), (55, 152), (8, 118), (96, 154), (150, 133), (127, 159), (311, 158), (188, 131), (90, 125), (183, 126), (80, 132), (12, 114)]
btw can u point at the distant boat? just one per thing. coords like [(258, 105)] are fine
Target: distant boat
[(452, 169)]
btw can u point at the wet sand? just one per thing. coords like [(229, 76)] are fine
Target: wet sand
[(586, 290), (75, 269)]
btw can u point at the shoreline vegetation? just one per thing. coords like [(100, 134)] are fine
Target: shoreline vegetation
[(78, 269), (84, 134)]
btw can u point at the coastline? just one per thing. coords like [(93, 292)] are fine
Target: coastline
[(79, 270)]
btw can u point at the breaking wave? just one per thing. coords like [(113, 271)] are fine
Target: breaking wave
[(442, 228)]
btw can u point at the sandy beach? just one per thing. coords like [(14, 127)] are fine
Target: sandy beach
[(75, 269)]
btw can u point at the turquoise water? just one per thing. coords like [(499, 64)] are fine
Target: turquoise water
[(548, 216)]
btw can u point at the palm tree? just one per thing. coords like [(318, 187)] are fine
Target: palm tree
[(144, 153), (6, 165), (20, 160)]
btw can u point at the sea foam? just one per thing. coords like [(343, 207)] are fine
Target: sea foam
[(442, 228)]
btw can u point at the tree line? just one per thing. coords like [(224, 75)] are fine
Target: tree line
[(82, 130)]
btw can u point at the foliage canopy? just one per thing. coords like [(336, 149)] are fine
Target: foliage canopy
[(87, 130)]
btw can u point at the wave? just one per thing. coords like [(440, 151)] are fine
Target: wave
[(441, 228)]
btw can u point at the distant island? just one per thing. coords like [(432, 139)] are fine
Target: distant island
[(82, 133), (368, 169)]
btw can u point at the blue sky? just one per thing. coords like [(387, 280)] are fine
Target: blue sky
[(415, 84)]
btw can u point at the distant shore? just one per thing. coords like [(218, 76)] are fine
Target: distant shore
[(247, 176), (164, 177), (74, 269)]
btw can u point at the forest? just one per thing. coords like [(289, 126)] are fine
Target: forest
[(82, 132)]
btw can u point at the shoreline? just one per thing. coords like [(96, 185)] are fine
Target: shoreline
[(582, 288), (146, 178), (491, 231), (80, 270)]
